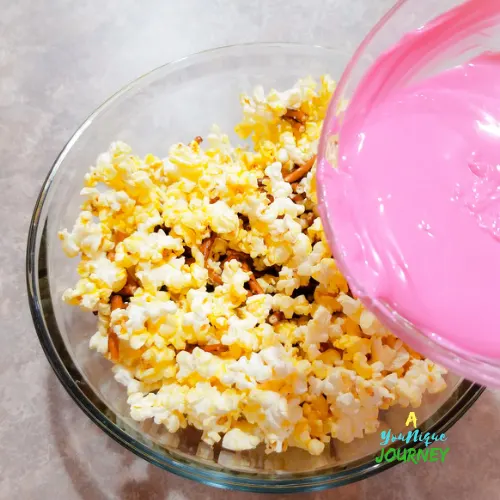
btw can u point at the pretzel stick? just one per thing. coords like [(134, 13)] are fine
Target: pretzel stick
[(299, 172), (206, 250), (120, 236), (117, 302), (113, 340), (243, 258)]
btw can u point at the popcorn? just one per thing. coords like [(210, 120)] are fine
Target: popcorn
[(276, 416), (199, 362), (217, 297), (247, 372), (237, 440), (290, 306), (279, 187), (234, 278), (171, 274), (222, 219), (287, 282), (150, 247), (99, 342), (85, 238), (241, 332)]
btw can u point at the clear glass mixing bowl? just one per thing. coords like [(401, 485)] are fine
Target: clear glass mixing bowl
[(176, 102), (458, 45)]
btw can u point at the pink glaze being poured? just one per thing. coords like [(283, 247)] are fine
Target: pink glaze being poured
[(413, 201)]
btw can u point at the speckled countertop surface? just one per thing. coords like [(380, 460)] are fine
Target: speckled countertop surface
[(58, 61)]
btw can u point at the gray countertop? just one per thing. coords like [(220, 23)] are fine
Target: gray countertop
[(58, 61)]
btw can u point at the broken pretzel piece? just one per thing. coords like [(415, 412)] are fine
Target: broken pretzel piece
[(236, 255), (190, 348), (130, 287), (324, 346), (243, 259), (308, 218), (261, 185), (215, 348), (214, 277), (298, 198), (296, 115), (117, 302), (255, 288), (299, 172), (275, 318), (120, 236), (206, 246)]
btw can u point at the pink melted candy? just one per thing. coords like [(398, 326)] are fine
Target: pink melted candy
[(415, 199)]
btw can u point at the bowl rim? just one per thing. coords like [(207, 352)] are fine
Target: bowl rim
[(83, 395)]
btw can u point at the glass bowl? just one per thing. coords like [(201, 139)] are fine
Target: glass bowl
[(176, 102), (459, 44)]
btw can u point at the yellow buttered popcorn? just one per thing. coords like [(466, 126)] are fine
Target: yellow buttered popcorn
[(217, 297)]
